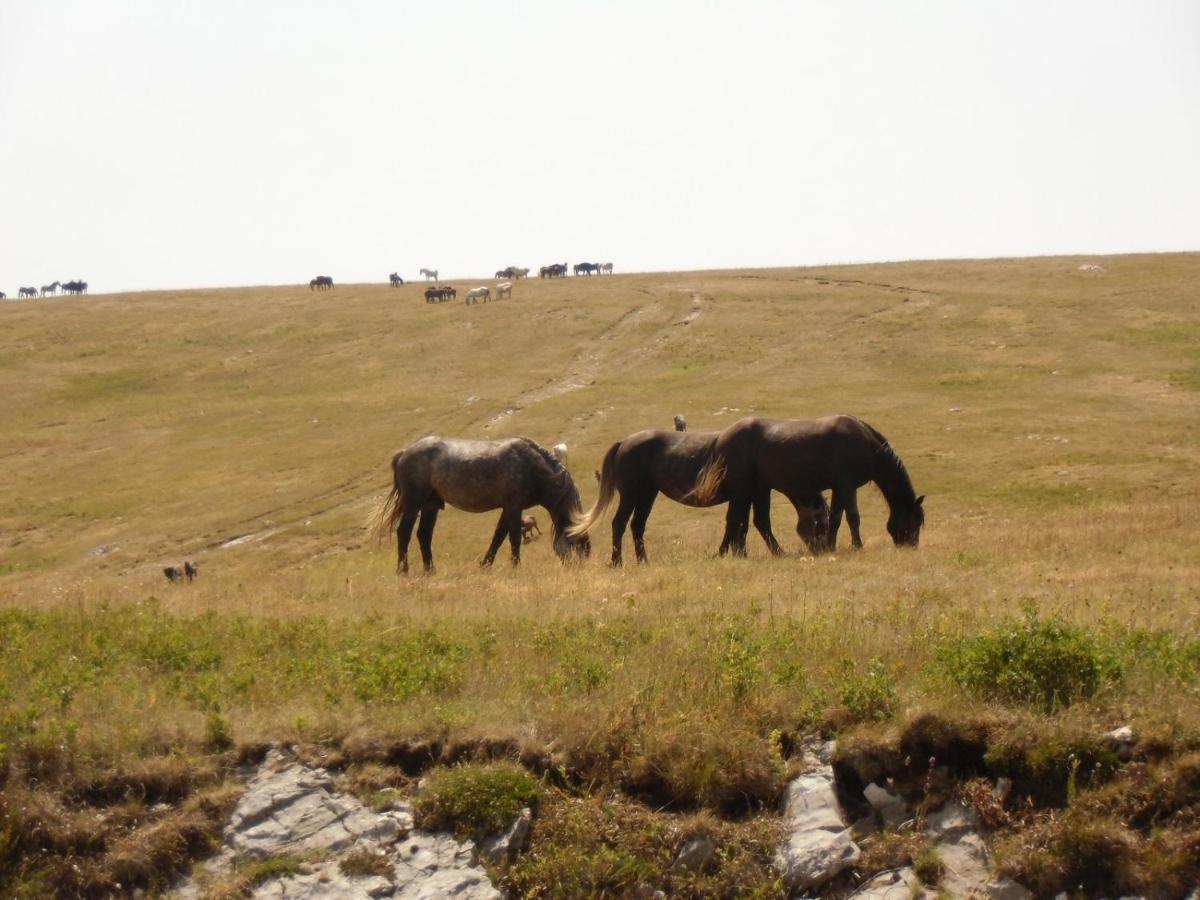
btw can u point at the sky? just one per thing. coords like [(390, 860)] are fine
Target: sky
[(177, 144)]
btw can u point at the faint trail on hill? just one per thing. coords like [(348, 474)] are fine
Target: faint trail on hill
[(596, 359)]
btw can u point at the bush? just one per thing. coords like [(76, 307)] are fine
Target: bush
[(1046, 664), (870, 696), (474, 800)]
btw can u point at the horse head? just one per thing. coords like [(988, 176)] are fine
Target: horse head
[(904, 525)]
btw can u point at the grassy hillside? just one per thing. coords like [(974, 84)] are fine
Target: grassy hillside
[(1051, 416)]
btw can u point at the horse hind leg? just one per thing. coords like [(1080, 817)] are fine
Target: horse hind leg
[(429, 517), (403, 535), (853, 519), (737, 523), (640, 516), (620, 520)]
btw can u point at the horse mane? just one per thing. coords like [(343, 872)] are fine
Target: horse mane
[(558, 475), (890, 474)]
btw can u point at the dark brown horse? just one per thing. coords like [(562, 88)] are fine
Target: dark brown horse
[(669, 462), (800, 457), (511, 475)]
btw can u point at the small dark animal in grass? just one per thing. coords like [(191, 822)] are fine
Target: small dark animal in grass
[(671, 462), (529, 526), (680, 423), (321, 283), (476, 476), (395, 279), (187, 572), (799, 457)]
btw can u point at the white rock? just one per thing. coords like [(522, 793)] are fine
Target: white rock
[(818, 845), (892, 810), (899, 884), (512, 841)]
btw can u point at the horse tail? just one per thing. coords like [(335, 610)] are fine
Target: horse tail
[(710, 481), (389, 514), (581, 524)]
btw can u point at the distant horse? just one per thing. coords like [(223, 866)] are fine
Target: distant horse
[(51, 288), (606, 268), (505, 273), (555, 270), (801, 457), (430, 273), (504, 289), (434, 295), (520, 273), (27, 292), (321, 283), (75, 287), (586, 268), (671, 462), (528, 526), (449, 293), (395, 279), (680, 423), (476, 476), (3, 296), (476, 294)]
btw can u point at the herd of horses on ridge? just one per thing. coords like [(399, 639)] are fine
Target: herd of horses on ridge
[(440, 293), (739, 466), (50, 290)]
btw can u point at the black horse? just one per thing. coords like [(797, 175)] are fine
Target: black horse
[(511, 475), (586, 268), (798, 457), (670, 462), (75, 287), (321, 283), (395, 279)]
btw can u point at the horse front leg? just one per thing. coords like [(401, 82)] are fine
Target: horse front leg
[(762, 521), (514, 535), (425, 536), (640, 515), (852, 518), (497, 539), (403, 535), (836, 506)]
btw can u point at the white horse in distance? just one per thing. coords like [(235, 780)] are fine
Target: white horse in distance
[(476, 294), (503, 289), (430, 273)]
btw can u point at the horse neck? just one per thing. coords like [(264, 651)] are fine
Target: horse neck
[(892, 479)]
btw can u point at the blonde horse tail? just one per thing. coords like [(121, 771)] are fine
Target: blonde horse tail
[(389, 515), (581, 524), (709, 481)]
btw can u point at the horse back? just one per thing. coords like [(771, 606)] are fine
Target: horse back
[(666, 461), (797, 456)]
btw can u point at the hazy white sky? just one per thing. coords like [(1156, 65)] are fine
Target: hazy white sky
[(165, 143)]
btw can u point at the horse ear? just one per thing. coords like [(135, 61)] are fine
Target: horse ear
[(918, 500)]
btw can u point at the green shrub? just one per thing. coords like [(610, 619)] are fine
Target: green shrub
[(869, 696), (474, 800), (1046, 664)]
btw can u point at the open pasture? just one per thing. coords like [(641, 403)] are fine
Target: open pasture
[(1050, 415)]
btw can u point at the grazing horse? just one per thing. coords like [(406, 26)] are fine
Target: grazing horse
[(554, 270), (75, 287), (671, 462), (51, 288), (586, 268), (528, 526), (680, 423), (430, 273), (504, 289), (520, 273), (476, 476), (605, 268), (800, 457), (505, 273), (27, 292), (395, 279), (476, 294), (321, 283)]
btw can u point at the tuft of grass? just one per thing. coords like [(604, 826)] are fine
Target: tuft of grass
[(928, 865), (868, 696), (1043, 663), (474, 800), (365, 863)]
